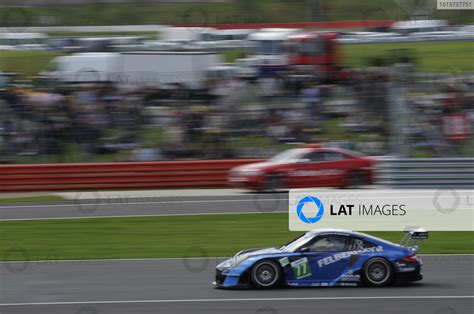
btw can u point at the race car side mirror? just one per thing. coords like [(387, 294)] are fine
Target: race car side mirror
[(305, 250)]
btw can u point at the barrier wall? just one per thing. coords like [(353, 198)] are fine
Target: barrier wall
[(426, 172), (390, 172), (121, 175)]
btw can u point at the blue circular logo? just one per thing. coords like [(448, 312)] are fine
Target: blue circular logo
[(319, 205)]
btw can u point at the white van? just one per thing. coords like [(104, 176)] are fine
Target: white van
[(138, 68), (84, 67), (23, 41)]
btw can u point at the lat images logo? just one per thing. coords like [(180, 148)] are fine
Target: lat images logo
[(319, 209)]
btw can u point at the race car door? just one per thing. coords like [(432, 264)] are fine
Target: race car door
[(318, 168), (326, 259)]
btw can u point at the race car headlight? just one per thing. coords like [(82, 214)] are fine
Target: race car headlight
[(231, 263), (238, 259)]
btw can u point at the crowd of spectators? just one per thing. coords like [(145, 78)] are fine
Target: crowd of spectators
[(231, 118)]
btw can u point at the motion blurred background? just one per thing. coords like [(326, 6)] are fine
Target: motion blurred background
[(118, 80)]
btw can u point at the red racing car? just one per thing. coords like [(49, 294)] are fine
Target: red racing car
[(305, 167)]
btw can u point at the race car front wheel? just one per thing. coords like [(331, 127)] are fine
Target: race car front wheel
[(377, 272), (266, 274)]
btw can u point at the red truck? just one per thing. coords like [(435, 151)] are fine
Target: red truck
[(316, 53)]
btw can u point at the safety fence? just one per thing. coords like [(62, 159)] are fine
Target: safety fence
[(129, 175), (426, 172)]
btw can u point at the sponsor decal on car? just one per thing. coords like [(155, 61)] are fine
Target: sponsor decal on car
[(348, 284), (315, 173), (336, 257), (350, 277), (284, 261), (301, 268)]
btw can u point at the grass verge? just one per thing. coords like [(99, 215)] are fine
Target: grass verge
[(444, 56), (218, 12), (31, 199), (166, 237), (28, 63)]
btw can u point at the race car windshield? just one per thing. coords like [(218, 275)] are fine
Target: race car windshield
[(370, 237), (289, 155), (296, 243)]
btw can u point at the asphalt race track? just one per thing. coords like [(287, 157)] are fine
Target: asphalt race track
[(129, 205), (183, 286)]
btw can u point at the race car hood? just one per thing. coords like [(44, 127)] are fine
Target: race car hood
[(254, 167), (255, 252), (243, 255)]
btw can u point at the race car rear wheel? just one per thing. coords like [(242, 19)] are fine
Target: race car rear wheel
[(266, 274), (354, 180), (273, 182), (377, 272)]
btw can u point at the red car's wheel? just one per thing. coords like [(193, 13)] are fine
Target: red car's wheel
[(274, 182)]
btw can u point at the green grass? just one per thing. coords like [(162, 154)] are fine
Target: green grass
[(154, 237), (452, 57), (26, 62), (31, 199), (242, 11), (232, 55), (147, 35)]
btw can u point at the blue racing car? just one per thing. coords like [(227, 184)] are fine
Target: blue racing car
[(326, 257)]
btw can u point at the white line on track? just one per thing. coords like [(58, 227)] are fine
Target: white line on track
[(139, 216), (167, 259), (244, 300)]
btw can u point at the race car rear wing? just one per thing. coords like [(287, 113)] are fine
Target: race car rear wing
[(413, 238)]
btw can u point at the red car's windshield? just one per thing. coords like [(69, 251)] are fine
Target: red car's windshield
[(290, 155)]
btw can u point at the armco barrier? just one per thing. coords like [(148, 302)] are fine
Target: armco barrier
[(120, 175), (426, 172)]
